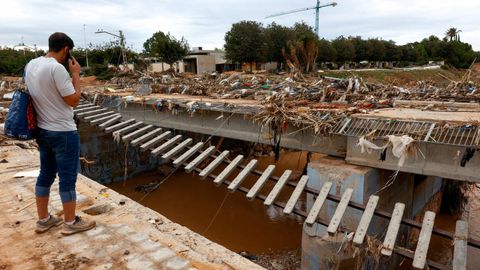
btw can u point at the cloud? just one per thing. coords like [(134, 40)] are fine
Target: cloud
[(204, 23)]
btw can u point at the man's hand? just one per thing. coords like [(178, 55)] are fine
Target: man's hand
[(74, 66)]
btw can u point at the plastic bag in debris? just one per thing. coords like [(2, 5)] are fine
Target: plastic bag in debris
[(400, 145), (367, 146)]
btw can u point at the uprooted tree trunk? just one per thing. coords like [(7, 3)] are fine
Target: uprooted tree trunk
[(301, 55)]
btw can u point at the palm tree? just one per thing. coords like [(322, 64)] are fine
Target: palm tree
[(453, 34)]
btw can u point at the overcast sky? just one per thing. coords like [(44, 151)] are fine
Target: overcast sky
[(204, 23)]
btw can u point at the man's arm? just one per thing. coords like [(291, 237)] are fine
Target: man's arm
[(74, 99)]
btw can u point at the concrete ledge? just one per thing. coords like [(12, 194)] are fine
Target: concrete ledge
[(127, 236)]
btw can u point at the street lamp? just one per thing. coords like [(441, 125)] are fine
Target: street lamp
[(122, 43), (85, 44)]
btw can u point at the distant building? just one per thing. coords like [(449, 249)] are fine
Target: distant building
[(197, 61)]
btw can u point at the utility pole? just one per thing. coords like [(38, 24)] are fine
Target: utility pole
[(122, 44), (85, 44)]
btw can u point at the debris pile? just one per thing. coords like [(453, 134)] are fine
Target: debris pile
[(305, 101), (314, 91)]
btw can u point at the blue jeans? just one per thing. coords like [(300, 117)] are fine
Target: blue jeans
[(59, 153)]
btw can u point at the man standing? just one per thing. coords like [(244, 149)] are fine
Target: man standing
[(54, 94)]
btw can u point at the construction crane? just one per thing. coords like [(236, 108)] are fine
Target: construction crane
[(317, 12)]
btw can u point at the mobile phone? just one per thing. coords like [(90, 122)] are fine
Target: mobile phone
[(65, 64)]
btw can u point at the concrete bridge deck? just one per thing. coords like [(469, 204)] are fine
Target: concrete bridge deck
[(446, 141), (127, 236)]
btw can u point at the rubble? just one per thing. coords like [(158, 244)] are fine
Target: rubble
[(315, 91)]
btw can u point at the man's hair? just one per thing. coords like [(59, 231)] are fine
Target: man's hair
[(58, 41)]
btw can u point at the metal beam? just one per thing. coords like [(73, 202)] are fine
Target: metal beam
[(127, 129), (177, 149), (341, 207), (130, 136), (296, 194), (365, 220), (228, 170), (278, 187), (83, 114), (146, 137), (421, 251), (460, 246), (118, 126), (242, 175), (105, 118), (90, 118), (110, 122), (205, 172), (154, 141), (393, 228), (84, 109), (260, 182), (317, 205), (166, 145), (205, 154), (177, 162)]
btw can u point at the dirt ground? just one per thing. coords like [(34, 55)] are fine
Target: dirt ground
[(127, 236)]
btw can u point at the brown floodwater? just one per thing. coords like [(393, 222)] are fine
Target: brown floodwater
[(229, 219), (233, 221), (442, 249)]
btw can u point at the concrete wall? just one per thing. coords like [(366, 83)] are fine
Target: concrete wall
[(205, 64), (269, 66), (109, 157), (431, 159), (424, 191), (320, 251), (160, 67), (365, 181)]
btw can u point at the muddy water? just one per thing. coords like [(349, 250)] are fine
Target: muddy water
[(229, 219), (441, 249)]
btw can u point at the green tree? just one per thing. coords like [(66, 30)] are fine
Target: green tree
[(421, 54), (245, 42), (12, 62), (303, 32), (409, 53), (344, 48), (276, 39), (429, 45), (166, 47), (326, 52), (459, 54), (361, 48), (375, 50), (453, 34), (439, 50), (392, 51)]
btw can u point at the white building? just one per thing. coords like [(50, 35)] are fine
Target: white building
[(197, 61)]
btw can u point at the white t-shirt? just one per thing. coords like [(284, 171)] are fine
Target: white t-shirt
[(48, 82)]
